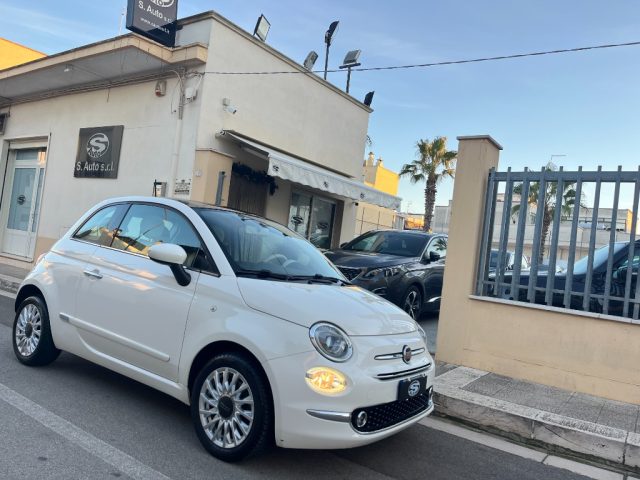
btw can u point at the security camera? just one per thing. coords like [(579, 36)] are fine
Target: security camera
[(226, 103)]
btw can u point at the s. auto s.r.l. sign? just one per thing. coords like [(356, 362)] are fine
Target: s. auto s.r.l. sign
[(154, 19), (98, 152)]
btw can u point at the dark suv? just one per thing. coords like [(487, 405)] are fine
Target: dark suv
[(405, 267)]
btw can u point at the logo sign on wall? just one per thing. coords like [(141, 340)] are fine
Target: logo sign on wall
[(154, 19), (98, 152)]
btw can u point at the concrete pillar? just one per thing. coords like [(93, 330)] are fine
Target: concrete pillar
[(476, 156), (207, 166)]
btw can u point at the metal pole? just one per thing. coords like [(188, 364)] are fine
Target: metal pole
[(348, 78), (326, 62)]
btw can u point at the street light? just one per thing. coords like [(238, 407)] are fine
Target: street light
[(328, 37), (350, 61)]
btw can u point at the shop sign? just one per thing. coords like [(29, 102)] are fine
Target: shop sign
[(98, 152), (154, 19)]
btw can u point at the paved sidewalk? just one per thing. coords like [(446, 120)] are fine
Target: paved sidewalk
[(573, 423), (10, 279)]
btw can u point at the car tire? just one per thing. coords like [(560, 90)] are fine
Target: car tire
[(239, 422), (412, 302), (32, 341)]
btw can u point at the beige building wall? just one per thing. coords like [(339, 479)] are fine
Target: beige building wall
[(579, 351)]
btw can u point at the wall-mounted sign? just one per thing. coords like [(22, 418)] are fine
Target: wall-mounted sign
[(98, 152), (154, 19), (182, 187)]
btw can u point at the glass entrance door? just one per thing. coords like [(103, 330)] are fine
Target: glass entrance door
[(24, 179), (312, 217), (321, 226)]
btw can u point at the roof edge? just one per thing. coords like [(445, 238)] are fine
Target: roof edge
[(241, 31), (481, 137)]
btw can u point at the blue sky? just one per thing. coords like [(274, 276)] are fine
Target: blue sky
[(583, 105)]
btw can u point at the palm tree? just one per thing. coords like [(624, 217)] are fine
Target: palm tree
[(435, 163), (548, 206)]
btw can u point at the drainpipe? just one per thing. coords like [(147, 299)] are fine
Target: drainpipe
[(177, 140)]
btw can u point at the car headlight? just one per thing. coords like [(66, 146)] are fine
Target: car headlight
[(385, 272), (422, 333), (331, 342)]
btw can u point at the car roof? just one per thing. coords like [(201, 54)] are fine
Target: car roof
[(175, 201), (410, 232)]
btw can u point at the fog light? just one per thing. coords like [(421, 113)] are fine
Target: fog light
[(325, 380), (361, 419)]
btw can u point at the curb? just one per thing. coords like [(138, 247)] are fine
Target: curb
[(530, 426), (9, 285)]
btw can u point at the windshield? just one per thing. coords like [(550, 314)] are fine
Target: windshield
[(600, 256), (401, 244), (253, 244)]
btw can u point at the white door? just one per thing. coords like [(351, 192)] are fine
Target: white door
[(23, 192)]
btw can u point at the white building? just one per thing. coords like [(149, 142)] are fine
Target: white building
[(284, 146)]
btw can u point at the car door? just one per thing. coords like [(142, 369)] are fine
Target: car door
[(132, 308), (67, 261), (434, 273)]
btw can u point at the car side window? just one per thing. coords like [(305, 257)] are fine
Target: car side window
[(146, 225), (101, 226), (437, 246)]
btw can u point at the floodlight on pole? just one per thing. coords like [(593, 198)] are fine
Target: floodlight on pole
[(262, 28), (328, 37), (368, 98), (310, 61), (350, 61)]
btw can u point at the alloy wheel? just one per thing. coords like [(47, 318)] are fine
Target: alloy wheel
[(28, 330), (412, 304), (226, 407)]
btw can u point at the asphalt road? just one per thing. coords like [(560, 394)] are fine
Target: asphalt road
[(73, 419)]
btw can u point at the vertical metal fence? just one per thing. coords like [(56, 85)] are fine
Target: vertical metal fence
[(602, 281)]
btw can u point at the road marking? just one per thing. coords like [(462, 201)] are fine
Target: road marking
[(582, 469), (520, 450), (108, 453), (484, 439), (7, 294)]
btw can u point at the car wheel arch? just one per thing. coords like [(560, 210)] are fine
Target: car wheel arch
[(27, 291), (209, 351)]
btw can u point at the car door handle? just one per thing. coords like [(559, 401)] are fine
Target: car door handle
[(93, 273)]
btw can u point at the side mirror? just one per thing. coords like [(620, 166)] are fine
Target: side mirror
[(433, 257), (172, 256)]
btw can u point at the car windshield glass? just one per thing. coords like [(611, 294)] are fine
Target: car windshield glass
[(402, 244), (265, 249), (600, 256)]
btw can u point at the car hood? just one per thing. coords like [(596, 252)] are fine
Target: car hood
[(355, 310), (345, 258)]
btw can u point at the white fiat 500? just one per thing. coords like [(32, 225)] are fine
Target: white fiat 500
[(235, 315)]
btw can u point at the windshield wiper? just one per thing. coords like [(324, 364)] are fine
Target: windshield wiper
[(317, 278), (262, 274)]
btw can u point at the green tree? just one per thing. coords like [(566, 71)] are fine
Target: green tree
[(434, 164), (546, 204)]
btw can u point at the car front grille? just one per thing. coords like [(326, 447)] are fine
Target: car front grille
[(387, 415), (349, 272)]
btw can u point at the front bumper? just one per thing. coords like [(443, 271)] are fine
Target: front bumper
[(306, 419)]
